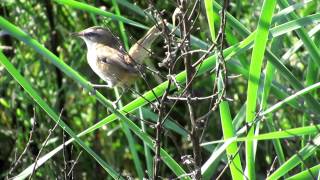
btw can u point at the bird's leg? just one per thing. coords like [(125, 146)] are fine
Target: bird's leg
[(98, 86), (114, 103), (93, 91), (109, 85)]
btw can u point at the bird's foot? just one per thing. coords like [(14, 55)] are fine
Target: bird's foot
[(115, 104)]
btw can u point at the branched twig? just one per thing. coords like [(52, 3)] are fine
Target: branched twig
[(191, 98), (221, 70), (185, 29), (33, 121), (74, 163), (272, 167), (43, 145), (157, 157), (65, 162)]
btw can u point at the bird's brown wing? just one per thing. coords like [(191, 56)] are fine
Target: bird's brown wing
[(116, 59)]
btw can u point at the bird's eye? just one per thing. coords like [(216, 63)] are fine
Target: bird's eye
[(90, 34)]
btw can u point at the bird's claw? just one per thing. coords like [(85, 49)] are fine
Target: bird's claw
[(114, 104)]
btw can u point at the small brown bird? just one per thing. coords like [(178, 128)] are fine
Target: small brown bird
[(108, 59)]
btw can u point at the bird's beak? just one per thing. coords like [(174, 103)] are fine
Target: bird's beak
[(77, 34)]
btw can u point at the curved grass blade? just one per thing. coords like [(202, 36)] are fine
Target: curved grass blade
[(309, 44), (311, 78), (295, 24), (27, 171), (290, 98), (28, 88), (92, 9), (281, 14), (287, 133), (299, 44), (306, 173), (211, 165), (295, 160)]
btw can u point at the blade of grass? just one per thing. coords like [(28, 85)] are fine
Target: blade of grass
[(310, 8), (210, 16), (121, 26), (296, 159), (233, 149), (290, 98), (282, 69), (225, 115), (259, 47), (212, 164), (306, 173), (270, 72), (287, 133)]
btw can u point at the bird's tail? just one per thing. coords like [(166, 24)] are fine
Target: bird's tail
[(141, 49)]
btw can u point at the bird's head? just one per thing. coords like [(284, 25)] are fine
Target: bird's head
[(99, 35)]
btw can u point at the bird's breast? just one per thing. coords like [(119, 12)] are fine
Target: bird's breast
[(96, 67)]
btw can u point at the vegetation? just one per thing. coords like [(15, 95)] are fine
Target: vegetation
[(230, 91)]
